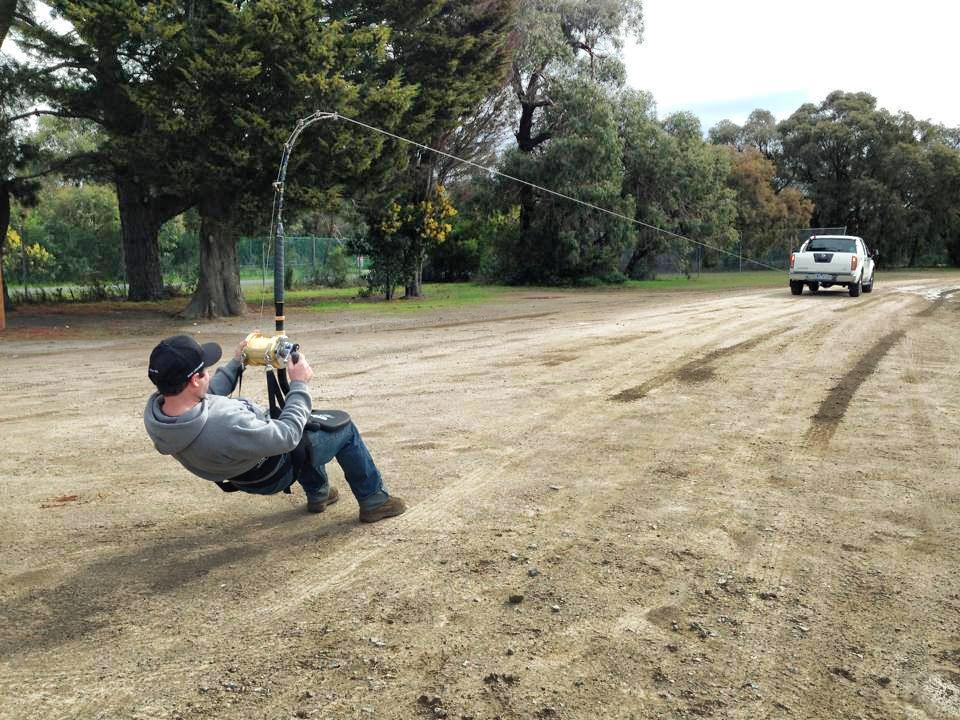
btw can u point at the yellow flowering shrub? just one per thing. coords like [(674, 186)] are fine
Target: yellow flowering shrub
[(38, 257)]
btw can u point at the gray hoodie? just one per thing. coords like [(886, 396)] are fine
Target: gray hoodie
[(222, 437)]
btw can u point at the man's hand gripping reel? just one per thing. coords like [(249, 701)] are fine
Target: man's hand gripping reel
[(274, 353)]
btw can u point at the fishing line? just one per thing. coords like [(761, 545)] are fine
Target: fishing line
[(493, 171)]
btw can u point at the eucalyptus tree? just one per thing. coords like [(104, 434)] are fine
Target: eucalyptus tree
[(561, 45), (824, 150), (760, 132), (887, 177), (549, 37), (765, 213), (944, 159), (677, 181), (726, 132), (565, 241), (767, 208)]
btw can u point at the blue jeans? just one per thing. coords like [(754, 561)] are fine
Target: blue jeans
[(346, 445)]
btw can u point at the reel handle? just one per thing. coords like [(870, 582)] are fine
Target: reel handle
[(295, 353)]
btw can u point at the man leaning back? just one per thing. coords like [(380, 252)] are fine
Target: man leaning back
[(237, 445)]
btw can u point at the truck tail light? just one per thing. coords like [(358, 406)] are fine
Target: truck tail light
[(792, 257), (853, 263)]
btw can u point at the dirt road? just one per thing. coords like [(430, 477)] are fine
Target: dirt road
[(731, 505)]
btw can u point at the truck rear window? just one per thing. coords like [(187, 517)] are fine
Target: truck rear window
[(832, 245)]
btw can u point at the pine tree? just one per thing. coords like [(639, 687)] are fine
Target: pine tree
[(269, 64), (112, 55)]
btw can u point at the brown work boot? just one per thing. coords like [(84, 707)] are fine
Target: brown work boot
[(318, 506), (393, 506)]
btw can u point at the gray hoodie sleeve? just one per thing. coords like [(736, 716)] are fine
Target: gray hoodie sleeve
[(225, 379), (244, 435)]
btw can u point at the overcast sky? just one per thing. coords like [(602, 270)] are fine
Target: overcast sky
[(723, 59)]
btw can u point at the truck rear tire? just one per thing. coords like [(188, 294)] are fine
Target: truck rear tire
[(856, 287), (796, 287)]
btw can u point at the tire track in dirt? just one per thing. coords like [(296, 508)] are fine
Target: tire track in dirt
[(465, 323), (833, 408), (861, 304), (695, 371), (933, 306)]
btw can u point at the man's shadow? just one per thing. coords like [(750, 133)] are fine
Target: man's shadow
[(87, 600)]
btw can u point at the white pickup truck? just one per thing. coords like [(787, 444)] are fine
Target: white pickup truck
[(827, 260)]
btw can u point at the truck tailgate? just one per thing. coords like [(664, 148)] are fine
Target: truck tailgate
[(822, 262)]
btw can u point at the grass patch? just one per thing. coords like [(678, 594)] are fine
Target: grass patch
[(300, 296), (442, 295), (435, 296), (451, 295)]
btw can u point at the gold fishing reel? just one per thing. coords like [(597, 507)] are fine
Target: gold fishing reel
[(274, 351)]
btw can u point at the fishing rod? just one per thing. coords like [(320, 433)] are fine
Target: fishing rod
[(273, 352)]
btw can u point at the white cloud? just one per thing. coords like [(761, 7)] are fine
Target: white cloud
[(698, 55)]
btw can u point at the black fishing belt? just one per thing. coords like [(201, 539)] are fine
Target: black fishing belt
[(268, 470), (264, 474)]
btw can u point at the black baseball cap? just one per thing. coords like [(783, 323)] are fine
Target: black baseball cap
[(175, 359)]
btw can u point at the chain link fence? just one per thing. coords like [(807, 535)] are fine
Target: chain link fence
[(311, 259), (327, 261), (677, 256)]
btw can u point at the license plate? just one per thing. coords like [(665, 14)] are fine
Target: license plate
[(824, 276)]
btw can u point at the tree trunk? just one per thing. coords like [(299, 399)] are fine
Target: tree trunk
[(4, 224), (7, 9), (418, 250), (218, 292), (914, 251), (415, 288), (527, 257), (140, 229), (525, 142)]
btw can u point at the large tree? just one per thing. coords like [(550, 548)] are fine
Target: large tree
[(550, 36), (197, 99), (98, 61), (550, 39), (764, 215), (269, 64), (565, 241), (768, 208), (678, 183)]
